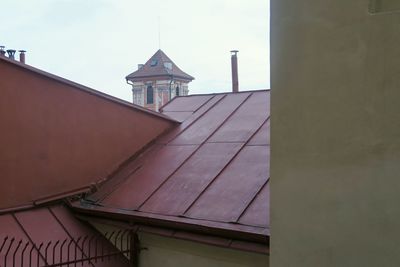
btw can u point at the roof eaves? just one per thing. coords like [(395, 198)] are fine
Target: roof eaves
[(88, 90), (237, 231)]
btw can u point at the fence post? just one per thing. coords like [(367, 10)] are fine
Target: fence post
[(134, 249)]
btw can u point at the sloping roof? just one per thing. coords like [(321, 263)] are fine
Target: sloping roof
[(155, 67), (60, 136), (83, 88), (36, 226), (209, 174)]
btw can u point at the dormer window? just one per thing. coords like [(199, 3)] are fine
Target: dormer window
[(154, 62)]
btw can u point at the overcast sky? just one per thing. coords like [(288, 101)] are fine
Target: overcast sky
[(98, 42)]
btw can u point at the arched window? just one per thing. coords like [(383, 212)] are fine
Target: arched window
[(150, 95), (177, 91)]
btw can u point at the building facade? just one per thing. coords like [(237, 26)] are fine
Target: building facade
[(335, 133), (158, 81)]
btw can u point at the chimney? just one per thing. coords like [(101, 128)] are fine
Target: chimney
[(11, 53), (2, 51), (139, 66), (234, 64), (22, 56)]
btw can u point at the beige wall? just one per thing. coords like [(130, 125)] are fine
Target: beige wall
[(335, 147), (171, 252)]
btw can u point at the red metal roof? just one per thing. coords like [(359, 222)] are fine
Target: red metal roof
[(22, 233), (211, 172), (60, 136), (155, 67)]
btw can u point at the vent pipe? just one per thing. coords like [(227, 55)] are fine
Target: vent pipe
[(22, 56), (234, 64), (11, 53), (2, 51)]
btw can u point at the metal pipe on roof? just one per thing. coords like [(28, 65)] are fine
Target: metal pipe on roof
[(22, 56), (234, 65), (2, 51)]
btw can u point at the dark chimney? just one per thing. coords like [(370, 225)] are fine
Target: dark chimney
[(235, 79), (11, 53), (2, 51), (22, 56), (139, 66)]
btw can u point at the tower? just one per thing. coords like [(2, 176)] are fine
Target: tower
[(158, 81)]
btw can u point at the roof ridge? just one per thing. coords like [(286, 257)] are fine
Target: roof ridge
[(87, 89)]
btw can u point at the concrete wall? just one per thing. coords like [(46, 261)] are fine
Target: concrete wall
[(335, 140), (55, 137)]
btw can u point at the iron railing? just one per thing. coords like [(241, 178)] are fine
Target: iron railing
[(117, 246)]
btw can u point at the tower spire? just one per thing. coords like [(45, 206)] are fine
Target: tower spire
[(159, 32)]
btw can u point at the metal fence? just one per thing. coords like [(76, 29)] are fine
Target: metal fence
[(117, 246)]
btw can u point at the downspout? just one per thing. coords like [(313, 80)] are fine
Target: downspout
[(127, 81)]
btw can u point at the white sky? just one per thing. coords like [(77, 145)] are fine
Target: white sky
[(98, 42)]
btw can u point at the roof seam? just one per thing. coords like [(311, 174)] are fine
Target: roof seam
[(68, 233), (191, 154), (195, 120), (251, 201), (226, 166), (29, 237), (234, 156)]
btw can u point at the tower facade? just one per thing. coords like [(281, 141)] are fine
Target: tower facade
[(158, 81)]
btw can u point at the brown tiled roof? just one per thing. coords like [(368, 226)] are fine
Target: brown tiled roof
[(155, 67), (210, 174)]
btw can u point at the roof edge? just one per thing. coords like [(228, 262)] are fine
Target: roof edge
[(236, 231), (86, 89), (183, 235), (213, 94)]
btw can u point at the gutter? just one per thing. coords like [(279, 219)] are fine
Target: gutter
[(228, 230)]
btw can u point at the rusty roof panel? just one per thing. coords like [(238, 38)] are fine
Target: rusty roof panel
[(245, 121), (9, 227), (191, 120), (258, 211), (180, 116), (184, 186), (190, 103), (211, 171), (33, 221), (262, 137), (139, 186), (234, 189), (209, 122), (124, 172)]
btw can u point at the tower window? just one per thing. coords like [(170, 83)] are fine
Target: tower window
[(177, 91), (150, 95)]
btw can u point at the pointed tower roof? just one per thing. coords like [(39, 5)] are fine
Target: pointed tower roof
[(159, 65)]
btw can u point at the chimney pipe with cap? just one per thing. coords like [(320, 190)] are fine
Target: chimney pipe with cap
[(2, 51), (11, 53), (235, 79), (22, 56)]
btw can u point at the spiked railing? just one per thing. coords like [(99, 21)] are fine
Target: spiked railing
[(118, 246)]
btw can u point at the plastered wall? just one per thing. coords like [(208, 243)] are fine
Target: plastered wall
[(335, 133)]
